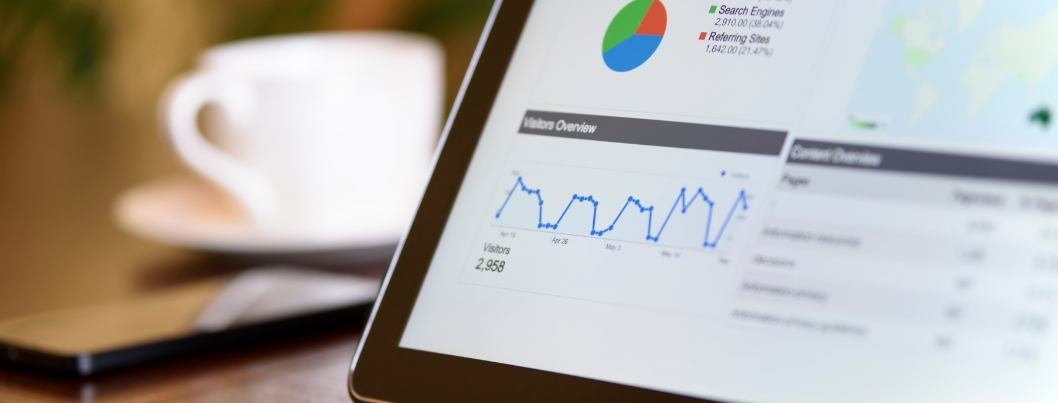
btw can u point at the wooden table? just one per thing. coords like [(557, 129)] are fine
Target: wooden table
[(305, 368), (59, 248), (309, 369)]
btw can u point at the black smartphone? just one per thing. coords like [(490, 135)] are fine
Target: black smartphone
[(254, 306)]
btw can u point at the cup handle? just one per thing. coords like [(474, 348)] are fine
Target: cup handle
[(182, 102)]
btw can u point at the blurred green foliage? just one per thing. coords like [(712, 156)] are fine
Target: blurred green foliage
[(438, 17), (273, 17), (78, 32), (75, 28)]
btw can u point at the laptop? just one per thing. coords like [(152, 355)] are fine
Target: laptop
[(736, 201)]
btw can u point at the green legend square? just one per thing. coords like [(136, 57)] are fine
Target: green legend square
[(712, 9)]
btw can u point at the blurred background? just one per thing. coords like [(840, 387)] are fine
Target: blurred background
[(79, 86)]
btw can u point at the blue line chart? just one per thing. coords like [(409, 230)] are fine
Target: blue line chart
[(633, 205)]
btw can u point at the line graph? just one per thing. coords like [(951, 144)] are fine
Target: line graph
[(632, 205)]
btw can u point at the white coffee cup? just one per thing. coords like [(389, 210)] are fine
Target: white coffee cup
[(315, 135)]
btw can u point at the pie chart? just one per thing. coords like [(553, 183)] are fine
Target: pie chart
[(634, 35)]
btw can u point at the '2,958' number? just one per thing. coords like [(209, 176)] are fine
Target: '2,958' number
[(490, 265)]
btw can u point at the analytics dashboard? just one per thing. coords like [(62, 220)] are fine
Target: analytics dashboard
[(838, 200)]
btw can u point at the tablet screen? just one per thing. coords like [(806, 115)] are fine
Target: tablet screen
[(765, 200)]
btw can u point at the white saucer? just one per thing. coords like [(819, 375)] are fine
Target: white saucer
[(189, 213)]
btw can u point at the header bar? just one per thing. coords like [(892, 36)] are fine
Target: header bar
[(657, 133), (924, 162)]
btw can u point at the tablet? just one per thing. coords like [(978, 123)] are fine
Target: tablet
[(746, 200)]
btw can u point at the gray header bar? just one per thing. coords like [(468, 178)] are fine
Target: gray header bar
[(658, 133), (901, 160)]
